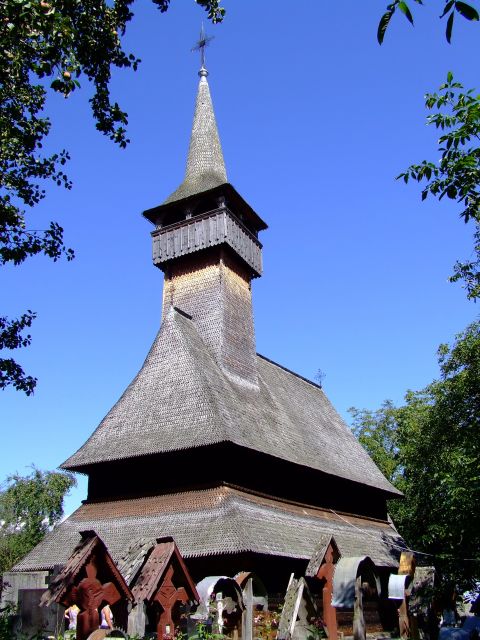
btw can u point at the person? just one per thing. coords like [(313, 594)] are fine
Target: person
[(71, 615), (449, 618), (106, 618)]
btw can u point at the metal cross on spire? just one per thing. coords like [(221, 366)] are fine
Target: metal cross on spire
[(201, 45)]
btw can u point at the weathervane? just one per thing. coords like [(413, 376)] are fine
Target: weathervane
[(201, 44)]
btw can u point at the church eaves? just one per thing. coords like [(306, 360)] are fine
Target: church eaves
[(205, 164), (220, 520)]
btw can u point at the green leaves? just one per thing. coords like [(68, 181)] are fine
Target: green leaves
[(430, 449), (406, 11), (447, 7), (29, 507), (377, 433), (215, 12), (466, 10), (12, 337), (448, 30), (51, 44), (383, 24), (456, 175)]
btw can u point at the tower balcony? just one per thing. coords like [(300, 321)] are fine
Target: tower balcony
[(210, 229)]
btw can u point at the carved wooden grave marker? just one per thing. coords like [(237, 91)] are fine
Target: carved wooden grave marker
[(160, 582), (298, 609), (255, 598), (90, 579), (322, 566)]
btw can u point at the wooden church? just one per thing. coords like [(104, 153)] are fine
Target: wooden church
[(244, 464)]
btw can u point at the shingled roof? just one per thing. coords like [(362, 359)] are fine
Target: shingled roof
[(205, 165), (180, 384), (221, 520)]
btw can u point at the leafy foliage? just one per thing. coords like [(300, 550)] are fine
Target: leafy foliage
[(6, 621), (29, 507), (52, 44), (377, 433), (430, 449), (11, 337), (457, 173), (450, 9)]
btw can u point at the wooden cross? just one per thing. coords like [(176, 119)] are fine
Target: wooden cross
[(89, 595), (166, 596)]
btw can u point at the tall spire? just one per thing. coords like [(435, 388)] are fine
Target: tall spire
[(205, 164)]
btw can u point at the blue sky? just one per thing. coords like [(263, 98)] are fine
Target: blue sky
[(316, 120)]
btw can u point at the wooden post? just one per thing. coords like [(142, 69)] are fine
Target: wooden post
[(403, 621), (406, 567), (326, 572), (137, 619), (247, 616), (359, 629)]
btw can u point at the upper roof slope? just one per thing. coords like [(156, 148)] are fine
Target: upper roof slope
[(181, 399)]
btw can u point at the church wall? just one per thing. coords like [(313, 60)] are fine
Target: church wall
[(24, 590), (273, 571), (239, 352), (216, 464), (14, 581)]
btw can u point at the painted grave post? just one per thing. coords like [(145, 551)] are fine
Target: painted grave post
[(89, 579), (407, 567), (322, 566), (255, 599), (160, 578), (167, 596), (247, 622), (359, 628), (326, 572)]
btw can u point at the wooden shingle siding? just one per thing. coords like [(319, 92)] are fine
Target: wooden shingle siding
[(205, 165), (212, 229)]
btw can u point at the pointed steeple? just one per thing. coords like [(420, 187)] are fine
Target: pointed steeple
[(205, 165)]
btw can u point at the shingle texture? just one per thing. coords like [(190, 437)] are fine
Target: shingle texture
[(133, 558), (221, 520), (181, 398), (143, 566), (205, 165), (217, 294), (319, 554)]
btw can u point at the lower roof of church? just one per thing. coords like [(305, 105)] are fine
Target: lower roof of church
[(218, 521), (182, 399)]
